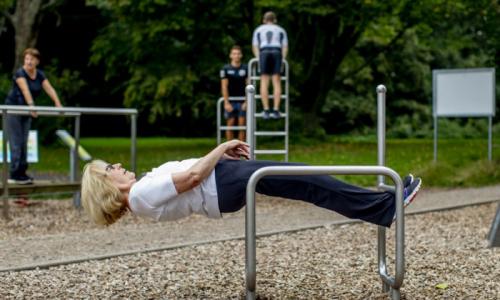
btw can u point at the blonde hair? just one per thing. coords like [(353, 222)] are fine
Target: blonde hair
[(101, 199)]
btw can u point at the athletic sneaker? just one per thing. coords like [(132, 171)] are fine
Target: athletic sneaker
[(20, 180), (408, 180), (275, 114), (266, 114), (410, 192)]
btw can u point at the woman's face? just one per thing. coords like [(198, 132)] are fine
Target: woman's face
[(30, 62)]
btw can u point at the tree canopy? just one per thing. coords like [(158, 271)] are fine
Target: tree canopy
[(163, 56)]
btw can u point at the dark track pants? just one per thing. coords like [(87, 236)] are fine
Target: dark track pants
[(18, 127), (231, 177)]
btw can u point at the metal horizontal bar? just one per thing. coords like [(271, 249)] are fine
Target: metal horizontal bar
[(260, 115), (242, 98), (43, 113), (258, 78), (270, 133), (62, 110), (270, 97), (387, 188), (42, 187), (270, 151), (233, 127)]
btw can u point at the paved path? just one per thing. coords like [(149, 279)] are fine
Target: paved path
[(273, 215)]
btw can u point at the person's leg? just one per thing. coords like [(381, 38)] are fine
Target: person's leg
[(15, 136), (26, 125), (324, 191), (276, 78), (264, 91), (229, 133), (241, 122)]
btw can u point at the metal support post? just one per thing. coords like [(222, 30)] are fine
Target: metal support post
[(5, 176), (490, 138), (435, 138), (250, 119), (250, 235), (133, 142), (76, 160)]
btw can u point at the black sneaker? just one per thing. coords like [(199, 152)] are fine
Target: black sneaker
[(408, 180), (20, 180), (275, 114), (266, 114)]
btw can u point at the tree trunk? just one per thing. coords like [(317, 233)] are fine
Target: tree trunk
[(25, 20)]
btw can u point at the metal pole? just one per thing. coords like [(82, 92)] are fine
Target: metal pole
[(381, 232), (5, 176), (250, 91), (133, 142), (435, 138), (287, 110), (219, 138), (250, 238), (76, 160), (381, 93), (490, 138)]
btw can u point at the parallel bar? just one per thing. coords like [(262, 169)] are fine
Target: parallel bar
[(222, 128), (258, 77), (42, 187), (250, 241), (260, 115), (14, 109)]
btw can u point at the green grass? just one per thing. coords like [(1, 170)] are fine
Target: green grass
[(461, 162)]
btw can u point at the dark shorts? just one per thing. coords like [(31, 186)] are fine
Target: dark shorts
[(237, 110), (270, 61)]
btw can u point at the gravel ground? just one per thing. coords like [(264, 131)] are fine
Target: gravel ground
[(333, 262)]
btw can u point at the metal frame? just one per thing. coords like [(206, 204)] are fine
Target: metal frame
[(389, 284), (494, 234), (75, 112), (472, 115)]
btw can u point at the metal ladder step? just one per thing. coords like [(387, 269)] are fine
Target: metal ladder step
[(269, 151), (233, 127), (260, 115), (270, 133), (258, 77)]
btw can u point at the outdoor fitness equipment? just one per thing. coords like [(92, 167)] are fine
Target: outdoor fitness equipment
[(389, 284), (75, 112)]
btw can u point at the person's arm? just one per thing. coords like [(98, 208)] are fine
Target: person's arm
[(255, 50), (47, 87), (224, 83), (284, 51), (193, 177), (23, 86)]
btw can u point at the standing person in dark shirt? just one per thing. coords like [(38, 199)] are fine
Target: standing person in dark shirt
[(270, 46), (233, 81), (28, 83)]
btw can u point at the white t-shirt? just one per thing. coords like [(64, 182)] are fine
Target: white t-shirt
[(269, 36), (155, 196)]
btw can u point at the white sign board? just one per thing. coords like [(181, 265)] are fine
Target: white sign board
[(32, 147), (463, 92)]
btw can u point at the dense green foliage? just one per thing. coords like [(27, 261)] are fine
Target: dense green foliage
[(163, 57)]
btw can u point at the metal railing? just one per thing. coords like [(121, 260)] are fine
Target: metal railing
[(389, 284), (75, 112)]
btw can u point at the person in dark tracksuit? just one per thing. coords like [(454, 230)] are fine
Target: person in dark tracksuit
[(27, 85)]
